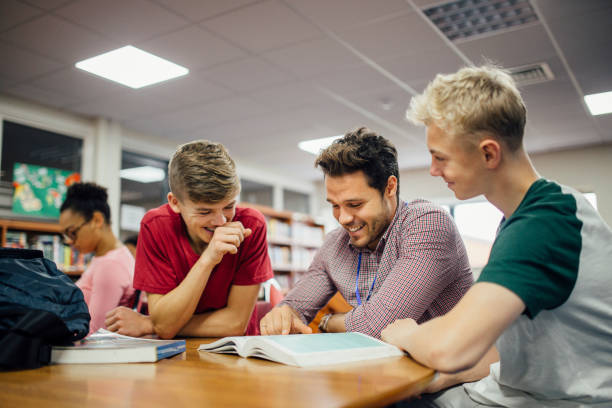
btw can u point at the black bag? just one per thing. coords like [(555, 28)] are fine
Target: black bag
[(39, 307)]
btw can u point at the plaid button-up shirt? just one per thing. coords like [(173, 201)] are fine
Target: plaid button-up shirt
[(420, 265)]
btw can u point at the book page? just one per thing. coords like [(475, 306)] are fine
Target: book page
[(309, 343), (232, 345)]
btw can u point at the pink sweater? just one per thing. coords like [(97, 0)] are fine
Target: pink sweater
[(107, 283)]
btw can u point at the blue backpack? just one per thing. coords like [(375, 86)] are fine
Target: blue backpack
[(39, 307)]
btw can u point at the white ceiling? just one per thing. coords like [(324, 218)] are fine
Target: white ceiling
[(266, 74)]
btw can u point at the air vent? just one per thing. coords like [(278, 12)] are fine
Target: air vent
[(531, 74), (463, 19)]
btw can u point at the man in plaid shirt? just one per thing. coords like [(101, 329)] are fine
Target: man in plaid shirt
[(390, 259)]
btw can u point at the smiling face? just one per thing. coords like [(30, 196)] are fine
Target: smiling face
[(458, 163), (201, 219), (362, 210)]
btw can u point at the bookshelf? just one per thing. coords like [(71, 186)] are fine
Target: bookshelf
[(293, 240), (44, 236)]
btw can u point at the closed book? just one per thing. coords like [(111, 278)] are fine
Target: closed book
[(104, 347), (306, 350)]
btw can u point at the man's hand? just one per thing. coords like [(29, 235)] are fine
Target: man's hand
[(226, 239), (128, 322), (283, 320), (396, 332)]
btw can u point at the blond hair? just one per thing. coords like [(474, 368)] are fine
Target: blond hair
[(473, 102), (203, 171)]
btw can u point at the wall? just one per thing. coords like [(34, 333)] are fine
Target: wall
[(103, 141), (586, 169)]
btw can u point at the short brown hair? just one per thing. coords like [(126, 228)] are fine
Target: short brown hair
[(473, 101), (204, 171), (365, 150)]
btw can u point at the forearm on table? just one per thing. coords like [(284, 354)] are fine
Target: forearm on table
[(478, 372), (219, 323), (460, 339), (170, 312)]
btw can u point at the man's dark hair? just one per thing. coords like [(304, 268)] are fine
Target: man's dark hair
[(85, 199), (365, 150)]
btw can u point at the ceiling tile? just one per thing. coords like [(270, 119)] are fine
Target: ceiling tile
[(195, 117), (6, 82), (287, 96), (311, 58), (340, 15), (604, 122), (422, 68), (511, 48), (124, 21), (47, 4), (124, 105), (355, 80), (23, 64), (198, 10), (246, 74), (548, 120), (552, 9), (43, 35), (186, 91), (389, 103), (586, 40), (78, 84), (193, 47), (245, 26), (550, 94), (405, 35), (46, 97), (14, 13)]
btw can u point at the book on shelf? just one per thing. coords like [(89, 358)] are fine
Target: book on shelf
[(104, 347), (306, 350)]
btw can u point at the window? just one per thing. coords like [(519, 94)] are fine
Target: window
[(142, 191), (477, 223), (296, 201), (256, 193)]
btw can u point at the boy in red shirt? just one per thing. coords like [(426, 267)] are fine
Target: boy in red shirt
[(200, 258)]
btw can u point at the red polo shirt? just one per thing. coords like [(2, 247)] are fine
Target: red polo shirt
[(164, 257)]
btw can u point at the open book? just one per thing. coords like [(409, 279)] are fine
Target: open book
[(104, 347), (305, 350)]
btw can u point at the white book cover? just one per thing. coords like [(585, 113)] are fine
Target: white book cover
[(104, 347), (306, 350)]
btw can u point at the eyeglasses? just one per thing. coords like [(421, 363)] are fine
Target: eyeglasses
[(72, 234)]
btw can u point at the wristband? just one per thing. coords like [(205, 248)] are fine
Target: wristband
[(323, 323)]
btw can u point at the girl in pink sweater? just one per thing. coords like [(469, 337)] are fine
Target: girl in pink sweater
[(86, 225)]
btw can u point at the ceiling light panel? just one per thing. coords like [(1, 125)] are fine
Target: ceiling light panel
[(133, 67), (463, 19), (143, 174), (599, 104)]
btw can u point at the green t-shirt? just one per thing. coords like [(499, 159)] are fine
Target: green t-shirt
[(536, 252)]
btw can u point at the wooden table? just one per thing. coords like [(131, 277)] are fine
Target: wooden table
[(213, 380)]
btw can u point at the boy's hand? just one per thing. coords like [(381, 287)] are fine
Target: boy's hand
[(226, 239), (128, 322)]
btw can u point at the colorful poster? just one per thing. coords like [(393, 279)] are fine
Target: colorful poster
[(40, 191)]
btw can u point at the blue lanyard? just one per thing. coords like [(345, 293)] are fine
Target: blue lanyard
[(357, 283)]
